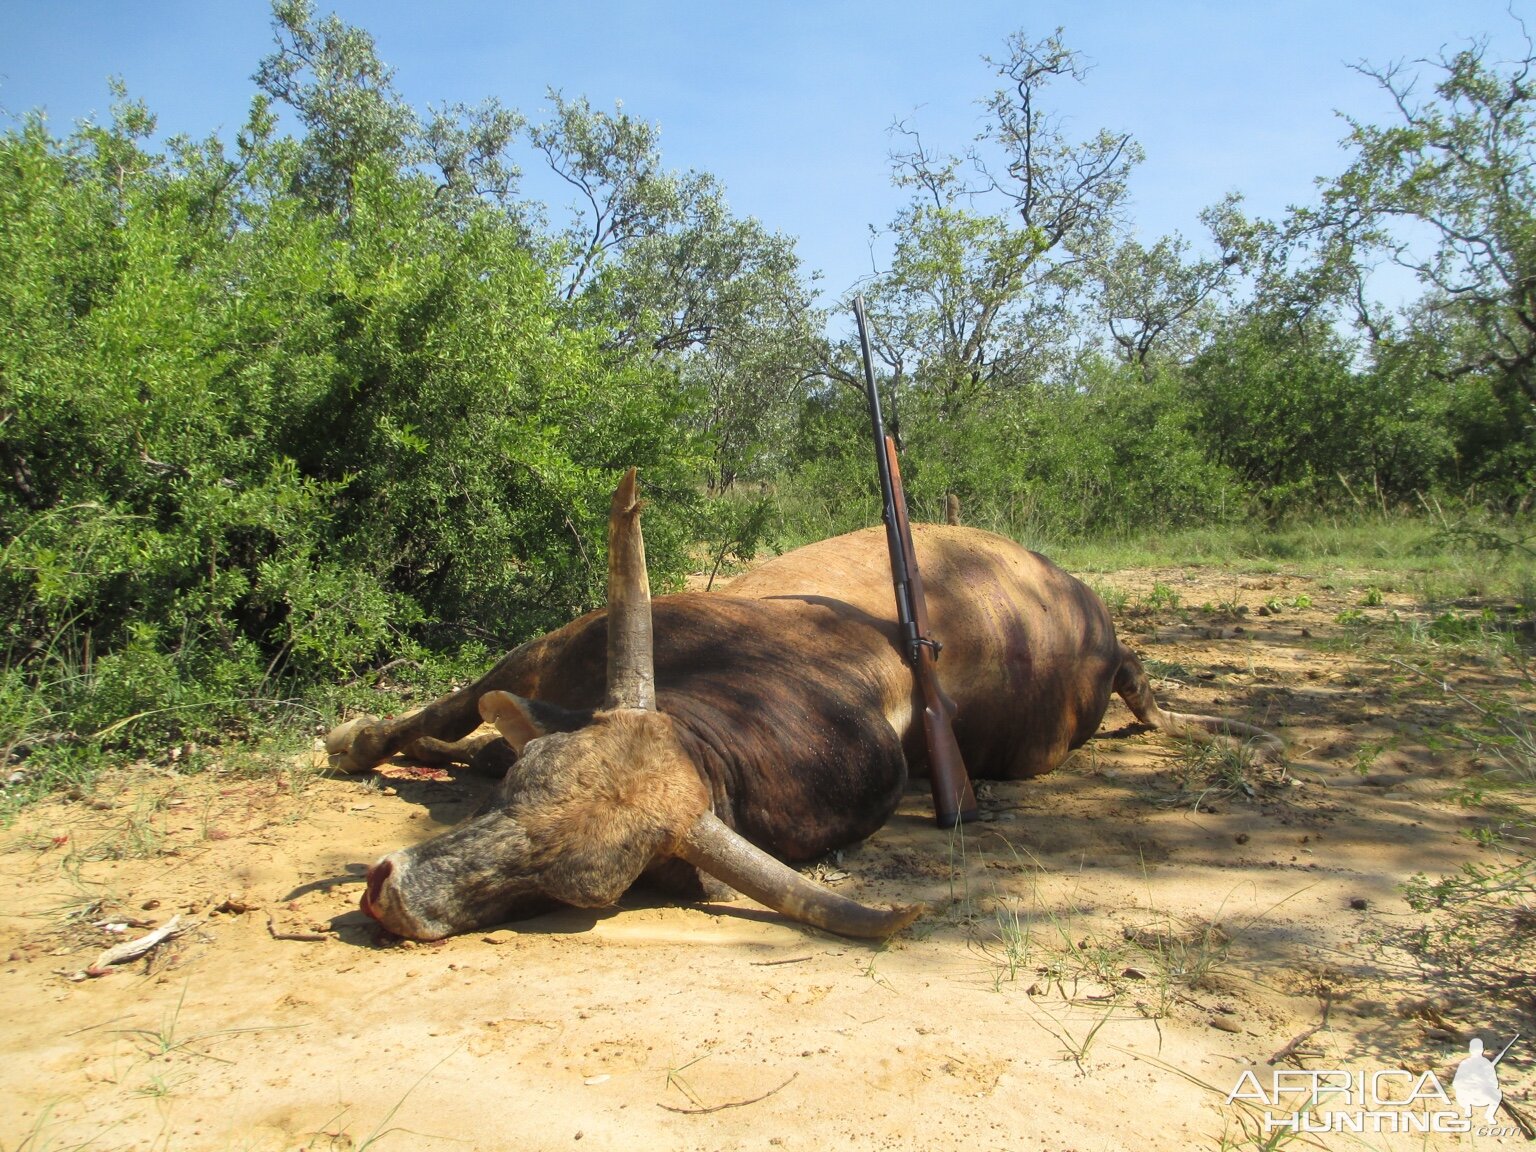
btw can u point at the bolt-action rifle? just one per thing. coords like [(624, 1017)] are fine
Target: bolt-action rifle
[(953, 800)]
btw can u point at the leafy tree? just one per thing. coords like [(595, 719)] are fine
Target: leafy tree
[(1464, 164), (330, 74), (1460, 167), (1157, 301), (987, 255), (658, 257)]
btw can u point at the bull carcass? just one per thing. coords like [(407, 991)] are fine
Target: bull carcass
[(708, 738)]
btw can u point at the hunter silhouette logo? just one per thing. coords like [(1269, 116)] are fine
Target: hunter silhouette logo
[(1476, 1083)]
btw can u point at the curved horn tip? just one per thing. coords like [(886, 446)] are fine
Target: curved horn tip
[(725, 854), (902, 916), (626, 495)]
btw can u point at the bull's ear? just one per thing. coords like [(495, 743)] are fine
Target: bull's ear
[(520, 720)]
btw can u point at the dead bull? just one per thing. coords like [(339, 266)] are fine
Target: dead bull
[(771, 723)]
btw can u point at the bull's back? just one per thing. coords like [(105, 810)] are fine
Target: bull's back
[(1029, 651)]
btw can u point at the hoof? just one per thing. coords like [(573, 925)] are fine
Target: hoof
[(338, 745)]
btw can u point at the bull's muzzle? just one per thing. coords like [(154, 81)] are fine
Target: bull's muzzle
[(412, 899), (377, 875), (384, 900)]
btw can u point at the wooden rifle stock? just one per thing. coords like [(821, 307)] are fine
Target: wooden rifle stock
[(953, 799)]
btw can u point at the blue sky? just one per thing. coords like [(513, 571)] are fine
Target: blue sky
[(789, 103)]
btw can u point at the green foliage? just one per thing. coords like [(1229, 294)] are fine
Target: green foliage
[(657, 257), (1282, 403), (734, 528), (272, 419), (1279, 407), (1111, 454), (831, 486), (328, 73)]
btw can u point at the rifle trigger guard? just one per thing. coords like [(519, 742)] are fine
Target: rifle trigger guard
[(930, 642)]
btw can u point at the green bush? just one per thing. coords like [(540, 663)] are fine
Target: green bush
[(255, 447), (1113, 454)]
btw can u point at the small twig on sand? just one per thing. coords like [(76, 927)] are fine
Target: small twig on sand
[(1293, 1048), (1520, 1119), (776, 963), (133, 949), (728, 1104), (276, 935)]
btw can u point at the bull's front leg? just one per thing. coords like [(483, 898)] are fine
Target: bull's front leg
[(365, 741), (437, 732)]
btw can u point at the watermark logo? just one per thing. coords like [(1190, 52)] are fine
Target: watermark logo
[(1388, 1100), (1476, 1083)]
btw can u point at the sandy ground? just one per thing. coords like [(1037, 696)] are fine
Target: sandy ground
[(1104, 956)]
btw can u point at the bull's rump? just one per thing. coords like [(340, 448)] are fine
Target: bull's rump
[(1029, 651)]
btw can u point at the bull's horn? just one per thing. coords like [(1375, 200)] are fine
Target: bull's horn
[(712, 847), (631, 671)]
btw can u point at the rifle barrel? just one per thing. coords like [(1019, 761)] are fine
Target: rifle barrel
[(906, 619), (954, 800)]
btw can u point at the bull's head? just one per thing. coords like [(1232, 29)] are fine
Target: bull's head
[(594, 799)]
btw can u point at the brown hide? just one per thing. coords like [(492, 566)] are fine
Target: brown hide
[(1029, 652)]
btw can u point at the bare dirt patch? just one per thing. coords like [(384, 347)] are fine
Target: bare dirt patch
[(1104, 956)]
